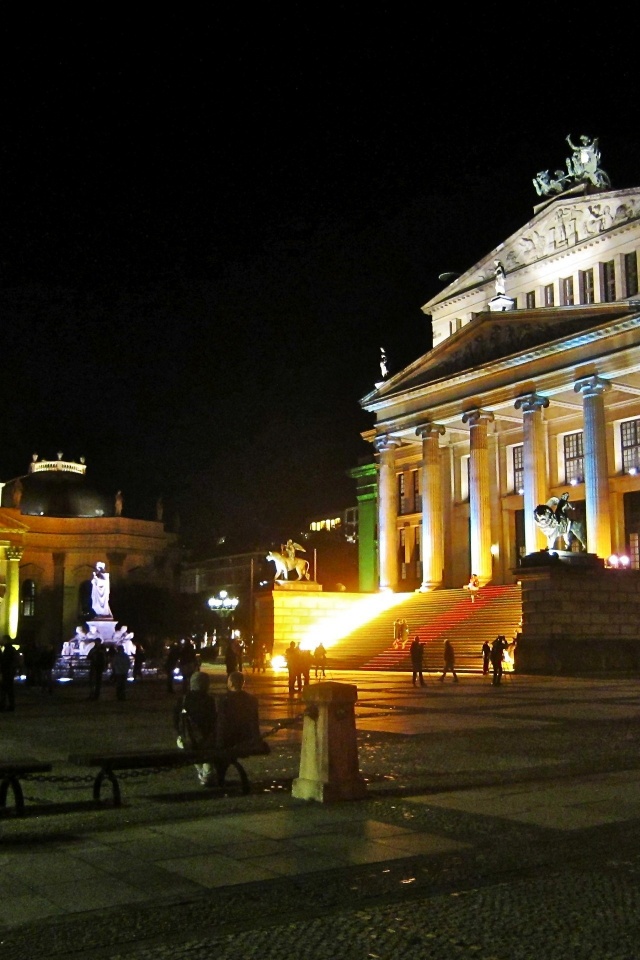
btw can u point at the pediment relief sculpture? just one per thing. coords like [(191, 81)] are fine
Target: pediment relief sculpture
[(491, 341)]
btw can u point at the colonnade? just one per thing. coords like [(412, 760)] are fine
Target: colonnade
[(596, 482)]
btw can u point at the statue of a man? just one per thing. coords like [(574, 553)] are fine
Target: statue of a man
[(118, 504), (100, 591), (500, 277), (384, 369)]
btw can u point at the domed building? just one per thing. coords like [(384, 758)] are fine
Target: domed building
[(54, 526)]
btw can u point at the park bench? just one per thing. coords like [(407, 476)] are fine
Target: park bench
[(159, 760), (10, 773)]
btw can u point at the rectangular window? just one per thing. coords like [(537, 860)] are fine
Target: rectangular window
[(548, 295), (634, 550), (531, 300), (630, 443), (587, 294), (417, 502), (608, 282), (518, 469), (631, 274), (573, 458), (401, 491), (566, 291)]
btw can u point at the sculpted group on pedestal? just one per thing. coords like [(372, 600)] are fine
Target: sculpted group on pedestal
[(286, 561), (553, 518)]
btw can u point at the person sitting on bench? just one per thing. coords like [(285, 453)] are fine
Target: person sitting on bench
[(194, 719), (237, 722)]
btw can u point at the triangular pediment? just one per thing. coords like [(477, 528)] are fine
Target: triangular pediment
[(563, 224), (496, 337)]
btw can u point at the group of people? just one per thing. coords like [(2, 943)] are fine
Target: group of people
[(103, 658), (300, 663), (494, 655), (229, 722)]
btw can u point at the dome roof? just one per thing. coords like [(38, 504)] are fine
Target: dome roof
[(56, 488)]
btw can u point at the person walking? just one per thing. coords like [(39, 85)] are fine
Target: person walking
[(120, 667), (449, 662), (417, 655), (8, 668)]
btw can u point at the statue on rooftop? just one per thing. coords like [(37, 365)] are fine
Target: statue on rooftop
[(384, 369), (583, 166), (585, 162), (500, 279)]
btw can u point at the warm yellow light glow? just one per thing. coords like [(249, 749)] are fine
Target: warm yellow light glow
[(495, 550), (334, 628), (278, 663)]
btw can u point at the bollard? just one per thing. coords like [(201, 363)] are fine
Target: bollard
[(329, 757)]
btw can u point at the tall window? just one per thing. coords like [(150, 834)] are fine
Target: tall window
[(566, 291), (401, 493), (631, 274), (587, 294), (608, 282), (548, 295), (417, 502), (518, 469), (28, 598), (530, 299), (630, 443), (573, 458)]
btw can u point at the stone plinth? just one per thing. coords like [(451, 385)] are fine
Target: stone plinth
[(579, 618), (297, 586), (329, 758)]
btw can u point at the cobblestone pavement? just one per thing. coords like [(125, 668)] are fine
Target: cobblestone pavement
[(499, 824)]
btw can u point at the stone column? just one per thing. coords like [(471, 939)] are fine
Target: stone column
[(535, 466), (12, 595), (432, 545), (387, 513), (596, 472), (479, 493)]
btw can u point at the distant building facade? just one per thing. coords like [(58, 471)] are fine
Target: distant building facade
[(53, 529)]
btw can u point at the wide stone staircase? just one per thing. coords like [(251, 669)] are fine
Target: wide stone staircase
[(434, 617)]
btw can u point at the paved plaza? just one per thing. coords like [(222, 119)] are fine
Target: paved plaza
[(498, 824)]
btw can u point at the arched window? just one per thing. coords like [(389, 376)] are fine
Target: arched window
[(28, 598)]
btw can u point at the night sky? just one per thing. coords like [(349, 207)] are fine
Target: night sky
[(211, 223)]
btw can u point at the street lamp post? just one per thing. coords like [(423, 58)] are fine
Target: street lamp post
[(224, 606)]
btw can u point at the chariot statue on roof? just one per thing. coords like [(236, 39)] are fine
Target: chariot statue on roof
[(585, 162)]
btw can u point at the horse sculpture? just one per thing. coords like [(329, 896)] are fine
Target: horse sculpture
[(553, 521), (285, 564)]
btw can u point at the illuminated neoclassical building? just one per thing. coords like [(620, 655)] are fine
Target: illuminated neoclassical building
[(532, 389), (53, 528)]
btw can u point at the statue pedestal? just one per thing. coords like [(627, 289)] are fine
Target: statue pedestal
[(297, 586), (567, 558), (500, 303), (105, 628)]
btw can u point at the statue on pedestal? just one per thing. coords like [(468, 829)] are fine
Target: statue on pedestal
[(553, 519), (100, 590), (287, 561)]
